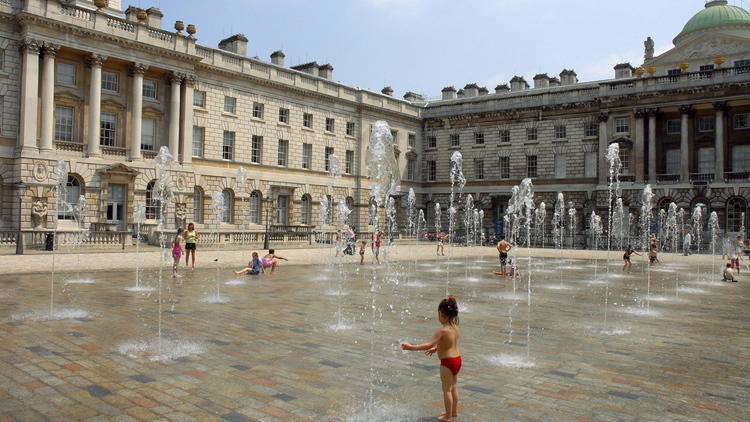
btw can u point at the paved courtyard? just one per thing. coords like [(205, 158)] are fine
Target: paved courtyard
[(308, 344)]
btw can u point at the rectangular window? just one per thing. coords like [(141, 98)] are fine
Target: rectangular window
[(148, 134), (199, 99), (197, 206), (672, 161), (110, 81), (742, 66), (64, 123), (227, 149), (706, 123), (479, 138), (455, 139), (108, 129), (66, 74), (706, 160), (307, 156), (742, 121), (256, 149), (432, 142), (412, 142), (329, 151), (410, 165), (431, 170), (349, 165), (561, 132), (531, 134), (330, 125), (230, 105), (674, 127), (590, 164), (307, 120), (531, 166), (283, 152), (504, 167), (258, 110), (199, 137), (622, 125), (149, 89), (625, 159), (394, 133), (504, 136), (591, 130), (740, 158), (349, 128), (674, 74), (707, 71), (478, 169), (561, 166), (284, 115)]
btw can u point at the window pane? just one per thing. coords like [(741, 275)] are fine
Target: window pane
[(110, 81), (256, 151), (561, 166), (258, 110), (741, 158), (108, 129), (197, 205), (673, 161), (283, 152), (199, 134), (705, 160), (228, 146), (590, 164), (64, 123), (230, 105), (306, 156), (349, 165), (149, 89), (148, 133), (66, 74), (199, 99)]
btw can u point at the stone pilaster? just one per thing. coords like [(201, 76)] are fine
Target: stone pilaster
[(686, 111), (29, 49), (136, 114), (638, 153), (603, 145), (175, 81), (188, 85), (722, 109), (49, 51), (95, 62)]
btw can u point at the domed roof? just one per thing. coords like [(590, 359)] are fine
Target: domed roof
[(716, 13)]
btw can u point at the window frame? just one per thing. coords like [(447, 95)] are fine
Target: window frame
[(328, 152), (258, 110), (197, 204), (151, 135), (454, 140), (532, 166), (622, 123), (305, 210), (532, 134), (103, 132), (202, 131), (307, 120), (432, 141), (307, 152), (478, 138), (350, 129), (478, 169), (706, 119), (330, 125), (69, 126), (504, 167), (256, 207), (590, 130), (153, 204), (105, 80), (504, 136), (230, 105), (349, 162), (284, 115), (673, 127), (431, 170), (228, 141), (197, 94), (282, 158), (150, 83), (741, 121), (561, 132), (256, 149), (561, 166), (58, 66)]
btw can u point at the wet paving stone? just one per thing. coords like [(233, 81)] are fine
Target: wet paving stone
[(142, 378), (97, 390)]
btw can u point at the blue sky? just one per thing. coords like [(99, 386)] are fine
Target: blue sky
[(424, 45)]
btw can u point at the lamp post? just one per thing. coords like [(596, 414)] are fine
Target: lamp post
[(269, 205)]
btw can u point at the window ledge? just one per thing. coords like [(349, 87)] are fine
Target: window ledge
[(151, 100), (329, 133), (531, 143), (505, 144), (227, 114), (283, 124), (257, 119), (201, 109), (350, 136), (478, 146), (454, 148), (560, 141), (591, 137), (308, 129)]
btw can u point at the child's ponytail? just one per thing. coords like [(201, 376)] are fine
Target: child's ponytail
[(449, 308)]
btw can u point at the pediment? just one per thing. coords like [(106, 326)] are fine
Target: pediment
[(151, 110), (111, 102), (705, 48), (68, 94), (118, 168)]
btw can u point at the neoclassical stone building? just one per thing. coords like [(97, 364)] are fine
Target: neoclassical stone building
[(104, 89)]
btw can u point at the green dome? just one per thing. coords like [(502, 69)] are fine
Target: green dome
[(716, 13)]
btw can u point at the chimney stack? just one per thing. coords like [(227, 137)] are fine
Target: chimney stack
[(471, 90), (412, 97), (387, 91), (568, 77), (501, 89), (311, 68), (483, 91), (155, 17), (326, 71), (236, 44), (277, 58), (449, 93), (541, 81), (518, 84), (623, 70)]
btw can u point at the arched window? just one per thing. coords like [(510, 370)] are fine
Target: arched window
[(305, 209), (197, 204), (736, 210), (226, 216), (256, 201), (69, 198), (153, 205)]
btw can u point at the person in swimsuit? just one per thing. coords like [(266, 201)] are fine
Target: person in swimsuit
[(270, 260), (377, 242), (626, 258), (728, 274), (652, 256), (191, 241), (445, 343), (254, 267), (362, 252), (440, 243), (176, 252), (503, 247)]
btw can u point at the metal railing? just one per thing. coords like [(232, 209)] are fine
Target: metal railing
[(737, 177), (667, 178), (701, 177)]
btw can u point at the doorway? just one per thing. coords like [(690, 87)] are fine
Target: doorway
[(116, 205)]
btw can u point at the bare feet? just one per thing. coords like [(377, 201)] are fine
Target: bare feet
[(444, 417)]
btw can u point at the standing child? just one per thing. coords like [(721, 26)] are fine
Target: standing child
[(176, 252), (362, 252), (445, 343), (735, 261), (254, 267), (652, 256), (377, 241), (191, 242), (440, 236)]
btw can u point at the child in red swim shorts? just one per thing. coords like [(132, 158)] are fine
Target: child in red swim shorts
[(445, 343)]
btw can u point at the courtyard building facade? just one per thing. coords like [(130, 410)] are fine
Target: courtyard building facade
[(104, 89)]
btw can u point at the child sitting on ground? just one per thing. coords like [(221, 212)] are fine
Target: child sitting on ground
[(254, 267), (728, 274), (445, 343)]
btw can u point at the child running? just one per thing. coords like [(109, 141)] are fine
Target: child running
[(176, 252), (626, 258), (254, 267), (445, 343), (270, 260)]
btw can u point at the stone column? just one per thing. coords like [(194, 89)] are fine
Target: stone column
[(685, 110), (720, 142), (136, 113), (29, 96), (174, 114), (95, 104), (48, 96), (652, 146), (603, 146), (187, 119), (638, 153)]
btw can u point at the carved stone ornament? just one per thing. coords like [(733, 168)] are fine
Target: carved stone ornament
[(30, 46), (603, 116), (190, 81), (40, 171), (95, 60), (137, 69), (180, 211), (39, 213), (181, 183), (686, 109), (50, 50), (174, 77)]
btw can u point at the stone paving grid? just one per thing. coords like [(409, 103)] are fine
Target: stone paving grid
[(270, 356)]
